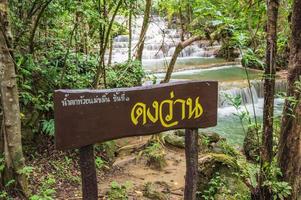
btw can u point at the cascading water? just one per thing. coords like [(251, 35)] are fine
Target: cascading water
[(256, 91), (160, 43), (229, 124)]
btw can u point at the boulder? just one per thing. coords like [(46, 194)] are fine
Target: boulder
[(211, 163), (211, 136), (230, 185), (174, 139), (153, 191)]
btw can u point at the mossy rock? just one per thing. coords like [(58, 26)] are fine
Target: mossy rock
[(211, 163), (180, 132), (210, 136), (152, 191), (155, 156), (233, 189), (177, 138), (228, 52), (250, 145), (174, 139)]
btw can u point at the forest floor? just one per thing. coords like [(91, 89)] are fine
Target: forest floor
[(128, 167)]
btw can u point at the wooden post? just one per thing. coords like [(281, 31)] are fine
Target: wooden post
[(191, 154), (88, 173)]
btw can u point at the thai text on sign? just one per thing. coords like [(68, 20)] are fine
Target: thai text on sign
[(84, 117)]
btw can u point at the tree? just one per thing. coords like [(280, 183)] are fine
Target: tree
[(104, 37), (140, 44), (290, 138), (11, 125), (269, 90), (130, 30), (181, 45)]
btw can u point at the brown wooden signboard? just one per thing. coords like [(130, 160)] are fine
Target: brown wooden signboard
[(85, 117)]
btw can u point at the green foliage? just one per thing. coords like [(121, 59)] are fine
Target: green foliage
[(108, 150), (292, 100), (228, 149), (38, 78), (2, 163), (4, 190), (48, 127), (46, 191), (127, 74), (155, 155), (214, 185), (280, 189), (4, 195), (119, 191), (27, 171), (63, 172), (242, 114), (100, 163), (251, 60)]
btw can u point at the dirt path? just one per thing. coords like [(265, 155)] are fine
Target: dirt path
[(128, 169)]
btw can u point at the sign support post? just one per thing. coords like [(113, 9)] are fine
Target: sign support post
[(191, 155), (88, 173)]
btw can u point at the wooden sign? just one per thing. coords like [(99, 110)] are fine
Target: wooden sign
[(84, 117)]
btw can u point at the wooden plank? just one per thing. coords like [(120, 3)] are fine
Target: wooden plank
[(84, 117), (191, 154), (88, 173)]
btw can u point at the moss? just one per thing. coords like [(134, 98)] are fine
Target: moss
[(108, 150), (228, 51), (174, 139), (210, 136), (151, 191), (250, 146), (234, 188), (210, 164), (155, 155)]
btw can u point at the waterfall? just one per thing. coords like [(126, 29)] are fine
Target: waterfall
[(160, 42), (257, 90)]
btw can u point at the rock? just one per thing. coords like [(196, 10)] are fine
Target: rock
[(152, 191), (211, 163), (174, 139), (233, 189), (216, 148), (180, 132), (229, 52), (250, 146), (177, 138), (211, 136), (229, 185)]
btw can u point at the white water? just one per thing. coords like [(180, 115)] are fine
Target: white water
[(256, 91), (160, 43)]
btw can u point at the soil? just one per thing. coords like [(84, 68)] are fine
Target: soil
[(63, 166)]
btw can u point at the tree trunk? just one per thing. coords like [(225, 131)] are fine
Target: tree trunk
[(269, 92), (35, 27), (110, 51), (290, 138), (130, 33), (269, 81), (178, 50), (11, 126), (140, 45), (101, 70)]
